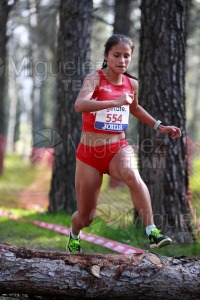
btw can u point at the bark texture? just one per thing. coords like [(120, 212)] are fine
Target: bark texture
[(4, 12), (73, 59), (122, 22), (163, 161), (97, 276)]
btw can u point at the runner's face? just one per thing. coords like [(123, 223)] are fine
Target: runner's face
[(119, 58)]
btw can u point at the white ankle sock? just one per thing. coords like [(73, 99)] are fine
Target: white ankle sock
[(150, 228), (74, 236)]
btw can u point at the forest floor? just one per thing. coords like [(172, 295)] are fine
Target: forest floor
[(36, 195), (24, 191), (25, 186)]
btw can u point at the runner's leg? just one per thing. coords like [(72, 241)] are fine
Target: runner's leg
[(88, 182), (123, 166)]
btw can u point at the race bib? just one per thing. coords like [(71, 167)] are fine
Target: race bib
[(112, 119)]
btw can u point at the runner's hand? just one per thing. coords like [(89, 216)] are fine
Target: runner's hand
[(124, 99), (175, 131)]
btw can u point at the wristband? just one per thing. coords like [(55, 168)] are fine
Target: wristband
[(157, 124)]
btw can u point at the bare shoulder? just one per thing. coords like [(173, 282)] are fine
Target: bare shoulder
[(93, 75), (134, 83), (92, 79)]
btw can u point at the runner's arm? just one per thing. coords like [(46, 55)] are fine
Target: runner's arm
[(137, 110), (142, 115), (85, 103)]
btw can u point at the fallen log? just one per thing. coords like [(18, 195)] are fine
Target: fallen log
[(97, 276)]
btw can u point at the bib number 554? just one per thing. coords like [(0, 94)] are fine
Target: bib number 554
[(113, 118)]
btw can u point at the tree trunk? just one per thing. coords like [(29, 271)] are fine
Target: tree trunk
[(37, 53), (42, 51), (163, 164), (97, 276), (122, 22), (4, 11), (12, 116), (73, 59)]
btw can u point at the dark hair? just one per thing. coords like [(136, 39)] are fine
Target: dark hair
[(116, 39)]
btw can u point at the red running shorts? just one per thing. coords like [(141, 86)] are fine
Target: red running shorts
[(99, 157)]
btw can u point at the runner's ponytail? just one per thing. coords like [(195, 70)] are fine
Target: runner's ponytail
[(130, 76), (104, 64)]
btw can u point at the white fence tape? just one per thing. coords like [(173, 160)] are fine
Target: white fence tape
[(101, 241)]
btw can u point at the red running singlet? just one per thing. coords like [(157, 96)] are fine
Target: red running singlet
[(105, 91)]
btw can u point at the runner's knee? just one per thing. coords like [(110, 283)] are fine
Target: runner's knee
[(132, 179)]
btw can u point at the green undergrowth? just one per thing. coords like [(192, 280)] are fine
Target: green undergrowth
[(17, 175), (29, 235), (195, 187), (114, 221)]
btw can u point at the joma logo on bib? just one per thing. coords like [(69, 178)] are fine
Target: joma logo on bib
[(113, 127), (112, 119)]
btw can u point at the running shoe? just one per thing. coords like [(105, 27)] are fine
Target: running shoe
[(73, 245), (157, 240)]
